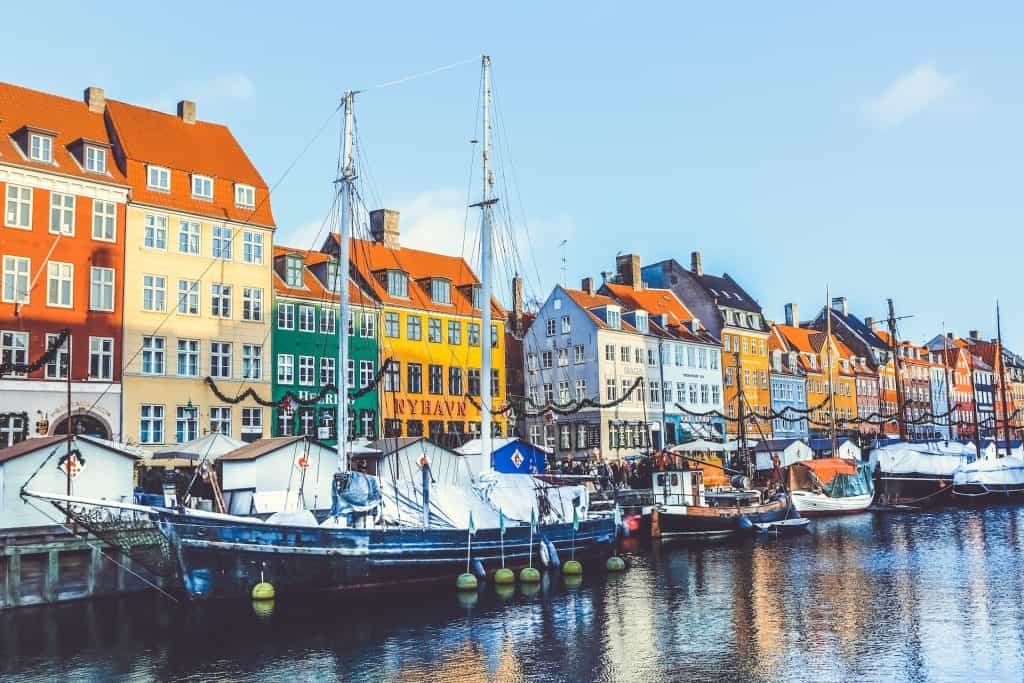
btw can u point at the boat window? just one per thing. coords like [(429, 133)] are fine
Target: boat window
[(675, 479)]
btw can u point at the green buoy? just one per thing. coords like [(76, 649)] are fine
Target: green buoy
[(505, 591), (572, 568), (530, 589), (504, 577), (573, 581), (466, 582), (615, 564), (263, 591), (529, 575)]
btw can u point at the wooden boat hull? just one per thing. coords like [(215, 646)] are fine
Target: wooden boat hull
[(810, 504), (700, 522), (226, 558)]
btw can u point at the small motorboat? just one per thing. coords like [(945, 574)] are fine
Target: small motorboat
[(782, 527), (827, 487)]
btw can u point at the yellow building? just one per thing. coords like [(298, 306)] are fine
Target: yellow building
[(197, 279), (430, 332)]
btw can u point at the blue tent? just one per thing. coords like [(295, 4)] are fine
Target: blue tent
[(511, 456)]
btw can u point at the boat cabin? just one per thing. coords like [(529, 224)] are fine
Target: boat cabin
[(679, 487)]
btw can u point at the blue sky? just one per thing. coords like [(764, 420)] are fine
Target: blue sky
[(872, 147)]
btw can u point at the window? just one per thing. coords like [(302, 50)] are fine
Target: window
[(546, 360), (609, 352), (95, 159), (563, 357), (413, 327), (455, 381), (101, 289), (652, 357), (566, 325), (581, 389), (252, 423), (434, 330), (365, 373), (252, 247), (14, 349), (693, 393), (307, 319), (454, 332), (285, 368), (473, 334), (18, 213), (153, 349), (306, 365), (611, 390), (626, 386), (350, 374), (252, 304), (655, 388), (158, 178), (155, 232), (328, 321), (286, 317), (220, 360), (220, 420), (440, 291), (704, 388), (392, 376), (398, 283), (614, 319), (101, 358), (220, 300), (59, 284), (367, 325), (104, 216), (221, 242), (494, 336), (188, 357), (202, 187), (691, 356), (436, 379), (327, 368), (186, 424), (151, 423), (391, 325), (639, 355), (62, 214), (333, 281), (550, 327), (681, 392), (245, 195), (625, 354), (188, 297), (16, 280), (714, 359), (702, 358), (58, 367), (40, 148), (578, 354), (252, 361), (563, 391), (549, 393), (414, 378), (495, 386)]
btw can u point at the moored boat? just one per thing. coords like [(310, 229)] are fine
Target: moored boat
[(908, 477), (990, 480), (830, 486)]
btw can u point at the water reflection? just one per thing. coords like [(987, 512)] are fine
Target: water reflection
[(931, 596)]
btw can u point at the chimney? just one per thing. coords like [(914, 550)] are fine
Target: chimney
[(628, 267), (839, 304), (792, 315), (949, 336), (96, 100), (187, 111), (974, 335), (696, 266), (587, 285), (606, 276), (384, 227), (870, 322)]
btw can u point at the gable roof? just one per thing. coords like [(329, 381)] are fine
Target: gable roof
[(590, 301), (313, 288), (70, 120), (262, 447), (391, 445), (32, 445), (146, 136), (728, 292), (658, 302)]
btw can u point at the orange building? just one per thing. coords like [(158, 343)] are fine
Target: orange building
[(814, 356)]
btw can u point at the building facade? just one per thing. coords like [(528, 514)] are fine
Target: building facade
[(62, 250), (305, 347), (197, 281), (788, 385)]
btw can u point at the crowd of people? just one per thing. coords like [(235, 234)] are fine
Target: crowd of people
[(633, 472)]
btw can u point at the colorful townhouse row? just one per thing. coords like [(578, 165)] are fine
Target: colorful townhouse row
[(150, 237)]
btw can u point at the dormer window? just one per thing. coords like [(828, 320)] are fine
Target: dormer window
[(158, 178), (333, 281), (95, 159), (614, 318), (245, 195), (202, 187), (40, 148), (293, 271), (641, 321), (398, 283), (477, 294), (440, 291), (750, 321)]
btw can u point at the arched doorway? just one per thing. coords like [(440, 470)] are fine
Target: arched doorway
[(84, 424)]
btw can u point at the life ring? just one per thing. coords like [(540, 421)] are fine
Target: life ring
[(545, 558)]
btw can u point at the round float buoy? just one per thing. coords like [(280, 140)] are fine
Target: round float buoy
[(263, 609), (573, 581), (529, 575), (572, 568), (530, 589), (505, 591), (263, 591), (467, 599), (466, 582), (504, 577), (615, 564)]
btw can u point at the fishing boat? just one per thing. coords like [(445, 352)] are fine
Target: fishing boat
[(830, 486), (990, 480)]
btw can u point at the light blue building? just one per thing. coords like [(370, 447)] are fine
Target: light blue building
[(788, 389)]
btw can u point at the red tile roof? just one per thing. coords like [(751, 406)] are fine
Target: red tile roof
[(152, 137), (654, 301), (70, 119), (589, 301), (313, 288)]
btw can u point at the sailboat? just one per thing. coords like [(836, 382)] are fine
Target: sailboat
[(353, 546)]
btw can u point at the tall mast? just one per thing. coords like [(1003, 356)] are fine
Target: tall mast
[(346, 179), (949, 385), (485, 274), (831, 375), (900, 404), (1002, 380)]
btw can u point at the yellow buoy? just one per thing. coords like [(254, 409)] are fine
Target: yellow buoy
[(466, 582), (573, 581), (263, 591), (572, 568), (504, 577), (615, 564), (529, 575), (505, 591)]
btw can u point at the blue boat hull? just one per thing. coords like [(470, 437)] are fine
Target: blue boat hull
[(221, 558)]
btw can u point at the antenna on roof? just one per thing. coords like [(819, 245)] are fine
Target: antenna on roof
[(561, 245)]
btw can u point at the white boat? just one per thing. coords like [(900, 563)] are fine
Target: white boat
[(989, 480), (830, 486)]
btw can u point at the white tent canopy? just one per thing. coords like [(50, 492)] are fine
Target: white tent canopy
[(212, 446), (702, 446)]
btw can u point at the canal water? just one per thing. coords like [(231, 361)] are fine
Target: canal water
[(877, 597)]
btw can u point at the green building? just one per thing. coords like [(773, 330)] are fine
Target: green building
[(305, 347)]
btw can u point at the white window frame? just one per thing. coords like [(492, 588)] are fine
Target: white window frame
[(45, 148), (220, 420), (252, 362), (222, 236), (200, 185), (189, 352), (186, 422), (188, 297), (18, 352), (252, 247), (155, 232), (190, 235), (95, 160), (17, 276), (18, 207), (60, 280), (152, 414), (62, 214), (241, 199), (328, 376), (287, 311), (328, 320), (219, 350), (304, 319), (285, 368), (57, 368), (155, 349), (293, 268), (98, 350), (105, 280), (220, 300), (104, 221), (307, 371), (157, 284), (158, 178), (252, 421)]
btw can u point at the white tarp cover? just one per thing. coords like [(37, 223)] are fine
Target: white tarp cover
[(295, 518), (944, 448), (1008, 471), (516, 496), (903, 460), (702, 446)]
